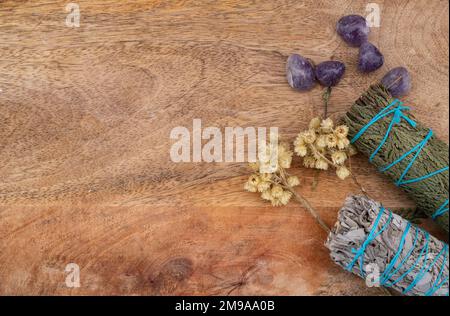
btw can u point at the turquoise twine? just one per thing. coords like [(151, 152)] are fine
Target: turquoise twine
[(359, 254), (396, 108), (387, 275), (441, 210)]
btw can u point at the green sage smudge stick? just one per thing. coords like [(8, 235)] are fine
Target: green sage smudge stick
[(429, 194), (387, 250)]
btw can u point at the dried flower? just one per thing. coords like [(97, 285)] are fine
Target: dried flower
[(327, 125), (321, 164), (315, 123), (309, 162), (321, 141), (331, 141), (264, 182), (277, 191), (301, 150), (341, 131), (342, 172), (309, 136), (266, 195), (343, 143), (284, 156), (323, 146), (293, 181), (339, 157), (277, 186), (252, 183), (273, 184)]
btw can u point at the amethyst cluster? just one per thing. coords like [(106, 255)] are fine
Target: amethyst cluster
[(302, 74)]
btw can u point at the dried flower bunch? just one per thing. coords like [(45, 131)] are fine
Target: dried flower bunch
[(270, 177), (324, 145), (274, 183)]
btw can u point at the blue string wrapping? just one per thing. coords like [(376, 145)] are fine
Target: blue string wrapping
[(396, 109), (402, 148), (409, 260)]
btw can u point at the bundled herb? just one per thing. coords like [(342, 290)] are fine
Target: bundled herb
[(387, 250), (408, 152)]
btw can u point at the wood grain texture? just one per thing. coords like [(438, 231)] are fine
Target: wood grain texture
[(85, 117)]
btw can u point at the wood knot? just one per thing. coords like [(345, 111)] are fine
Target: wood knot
[(171, 274)]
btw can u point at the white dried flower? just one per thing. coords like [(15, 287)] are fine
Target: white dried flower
[(321, 164), (293, 181), (321, 141), (331, 141), (301, 150), (285, 197), (309, 137), (315, 123), (309, 162), (252, 183), (266, 195), (342, 172), (343, 143), (277, 191), (327, 125), (339, 157), (341, 131)]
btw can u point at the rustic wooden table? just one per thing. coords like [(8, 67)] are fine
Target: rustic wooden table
[(85, 117)]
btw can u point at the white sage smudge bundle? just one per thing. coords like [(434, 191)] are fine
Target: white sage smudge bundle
[(387, 250)]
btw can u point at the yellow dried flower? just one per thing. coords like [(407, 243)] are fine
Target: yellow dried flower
[(342, 172), (293, 181), (285, 197), (299, 140), (315, 123), (341, 131), (252, 183), (281, 200), (319, 153), (331, 141), (321, 164), (327, 125), (339, 157), (301, 150), (266, 195), (284, 156), (324, 145), (264, 182), (277, 191), (321, 141), (309, 137), (309, 162), (343, 143), (263, 186)]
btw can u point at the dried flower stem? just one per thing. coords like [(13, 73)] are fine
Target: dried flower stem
[(304, 202), (310, 209), (355, 180), (326, 97)]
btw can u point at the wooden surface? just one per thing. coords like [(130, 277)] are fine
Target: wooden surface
[(85, 117)]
